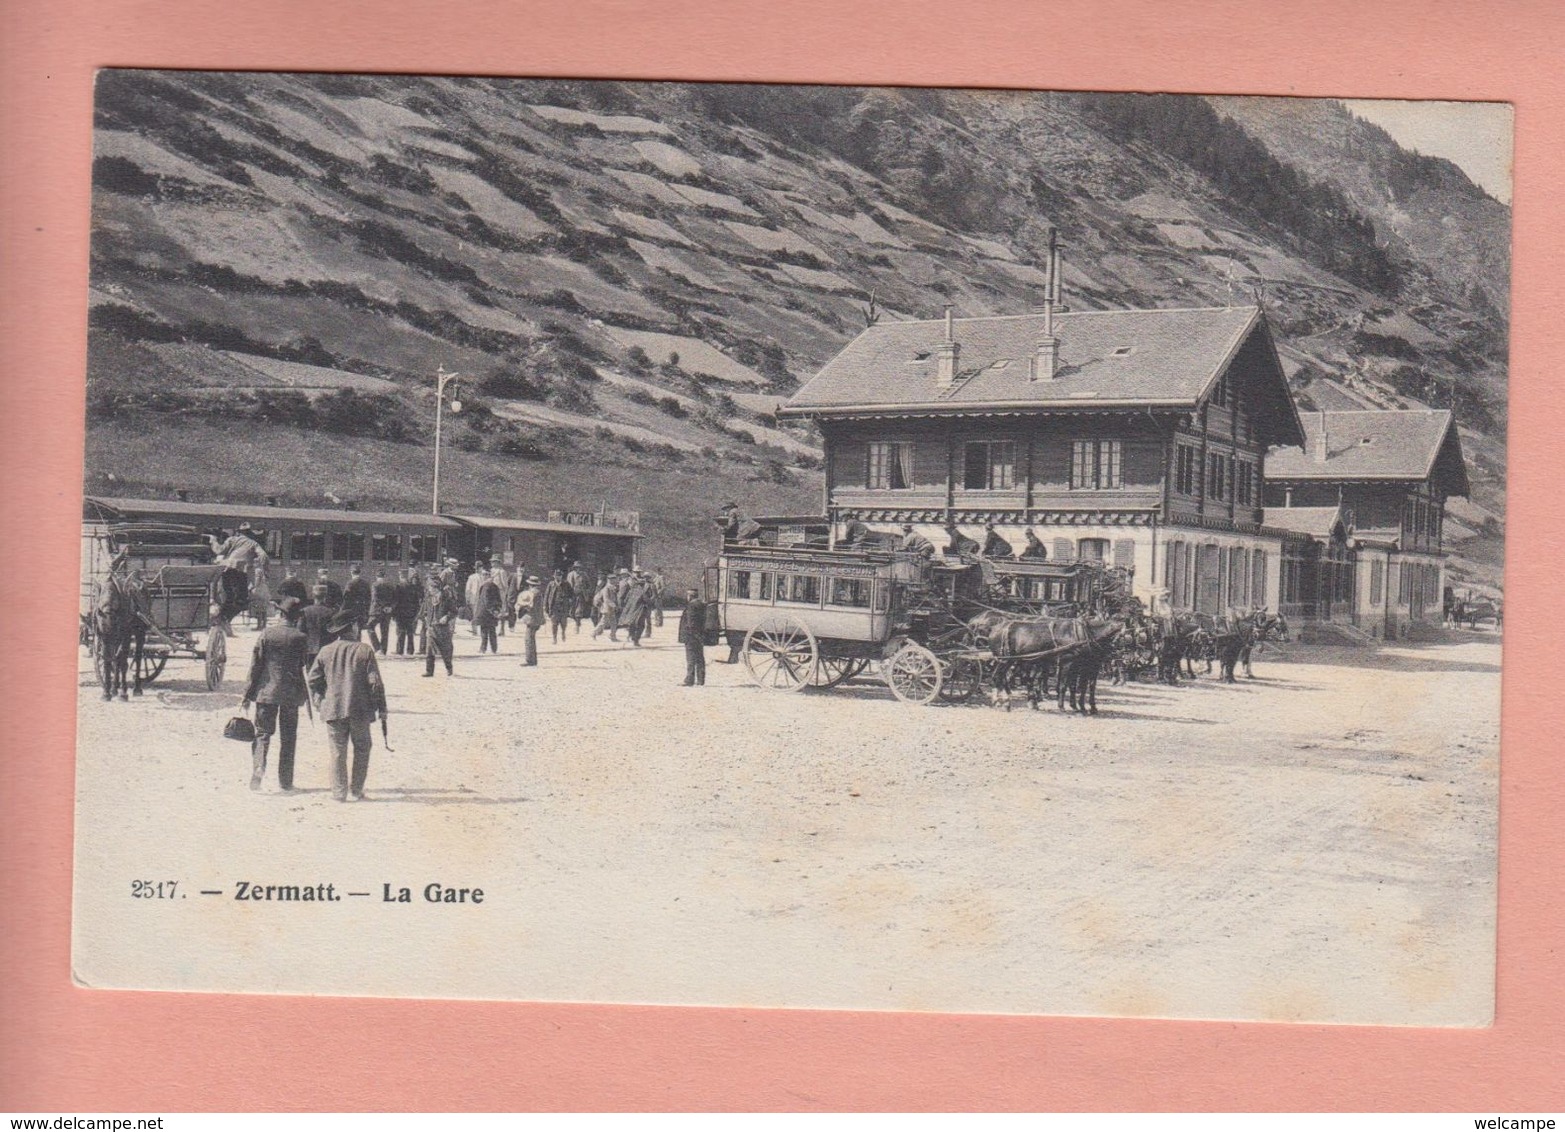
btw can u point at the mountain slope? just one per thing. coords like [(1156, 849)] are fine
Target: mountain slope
[(629, 276)]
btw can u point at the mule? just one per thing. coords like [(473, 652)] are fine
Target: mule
[(121, 634)]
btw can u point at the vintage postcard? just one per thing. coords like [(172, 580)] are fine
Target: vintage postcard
[(828, 547)]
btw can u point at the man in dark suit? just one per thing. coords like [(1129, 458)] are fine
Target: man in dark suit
[(692, 633), (408, 599), (383, 601), (277, 689), (356, 598), (293, 586), (333, 590), (312, 621)]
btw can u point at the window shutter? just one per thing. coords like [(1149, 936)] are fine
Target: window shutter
[(1125, 552), (1064, 550)]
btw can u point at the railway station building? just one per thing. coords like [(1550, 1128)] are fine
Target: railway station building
[(1139, 438), (1163, 442)]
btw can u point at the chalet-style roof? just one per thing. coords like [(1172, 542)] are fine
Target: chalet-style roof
[(1383, 445), (1316, 522), (1120, 359)]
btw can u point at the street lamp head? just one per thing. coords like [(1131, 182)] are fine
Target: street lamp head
[(456, 406)]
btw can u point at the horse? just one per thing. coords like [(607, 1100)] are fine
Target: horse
[(121, 633), (1025, 649), (1235, 644), (1080, 666)]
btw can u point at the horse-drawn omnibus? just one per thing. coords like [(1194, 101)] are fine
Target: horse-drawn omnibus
[(157, 596), (815, 617)]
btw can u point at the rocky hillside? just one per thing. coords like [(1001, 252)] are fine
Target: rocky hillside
[(630, 277)]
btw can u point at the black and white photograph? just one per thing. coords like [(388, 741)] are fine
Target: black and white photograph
[(855, 548)]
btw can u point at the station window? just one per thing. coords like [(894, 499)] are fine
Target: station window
[(853, 592), (890, 465), (1186, 457), (1092, 549), (989, 465), (347, 546), (1096, 464), (307, 546), (799, 589), (386, 548)]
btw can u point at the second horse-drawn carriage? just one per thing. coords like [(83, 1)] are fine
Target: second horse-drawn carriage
[(812, 617)]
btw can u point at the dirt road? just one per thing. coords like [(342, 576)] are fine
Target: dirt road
[(1317, 844)]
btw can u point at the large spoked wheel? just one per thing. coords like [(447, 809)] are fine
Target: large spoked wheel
[(152, 665), (781, 654), (216, 658), (961, 680), (833, 670), (914, 675)]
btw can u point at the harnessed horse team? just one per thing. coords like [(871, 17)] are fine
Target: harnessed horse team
[(1030, 650)]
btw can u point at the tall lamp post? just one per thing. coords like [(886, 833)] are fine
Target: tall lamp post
[(442, 379)]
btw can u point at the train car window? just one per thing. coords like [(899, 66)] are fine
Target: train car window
[(423, 548), (307, 546), (741, 584), (347, 546), (386, 548), (799, 589), (851, 592)]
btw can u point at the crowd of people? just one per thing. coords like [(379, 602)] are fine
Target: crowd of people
[(316, 652)]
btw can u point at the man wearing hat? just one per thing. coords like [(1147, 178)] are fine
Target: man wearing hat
[(606, 603), (313, 619), (995, 545), (692, 634), (238, 555), (487, 611), (276, 688), (532, 614), (356, 598), (736, 525), (345, 680), (293, 586), (1034, 550), (383, 603), (915, 543), (440, 613), (333, 590)]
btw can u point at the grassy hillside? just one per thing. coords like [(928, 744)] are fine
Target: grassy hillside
[(629, 277)]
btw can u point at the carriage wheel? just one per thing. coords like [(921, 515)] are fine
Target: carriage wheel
[(834, 670), (962, 680), (216, 658), (780, 653), (914, 675), (152, 665)]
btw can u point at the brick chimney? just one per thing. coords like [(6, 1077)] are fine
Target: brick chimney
[(946, 355)]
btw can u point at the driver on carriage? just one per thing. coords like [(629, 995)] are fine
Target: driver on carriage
[(238, 554), (995, 545)]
